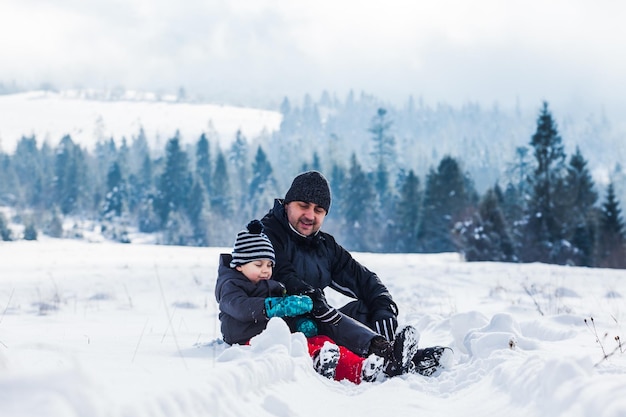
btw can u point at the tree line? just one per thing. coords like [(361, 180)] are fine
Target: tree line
[(548, 210)]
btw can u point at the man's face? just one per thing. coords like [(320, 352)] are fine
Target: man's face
[(306, 218)]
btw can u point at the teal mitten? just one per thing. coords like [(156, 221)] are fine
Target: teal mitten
[(307, 326), (289, 306)]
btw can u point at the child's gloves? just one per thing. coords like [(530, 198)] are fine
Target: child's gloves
[(322, 311), (289, 306), (307, 326)]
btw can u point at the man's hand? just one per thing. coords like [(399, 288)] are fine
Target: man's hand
[(385, 318), (321, 310), (387, 327)]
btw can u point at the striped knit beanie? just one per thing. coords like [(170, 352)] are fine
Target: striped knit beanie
[(252, 244)]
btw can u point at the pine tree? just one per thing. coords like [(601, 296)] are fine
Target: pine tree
[(28, 167), (448, 193), (610, 249), (54, 225), (335, 223), (384, 154), (30, 231), (316, 165), (485, 237), (358, 210), (138, 151), (196, 210), (139, 184), (5, 232), (221, 203), (115, 198), (384, 151), (408, 214), (518, 191), (285, 107), (238, 158), (69, 174), (384, 142), (114, 210), (106, 154), (175, 181), (544, 228), (46, 157), (8, 179), (123, 157), (148, 219), (141, 198), (178, 230), (223, 215), (310, 115), (203, 162), (337, 186), (577, 205), (263, 188)]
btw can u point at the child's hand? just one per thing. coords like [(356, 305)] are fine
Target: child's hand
[(307, 326), (289, 306)]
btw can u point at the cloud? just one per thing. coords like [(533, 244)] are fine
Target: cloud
[(447, 50)]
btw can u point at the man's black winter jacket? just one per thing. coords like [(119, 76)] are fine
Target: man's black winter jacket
[(318, 261)]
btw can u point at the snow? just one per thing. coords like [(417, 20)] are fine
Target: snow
[(50, 115), (105, 329)]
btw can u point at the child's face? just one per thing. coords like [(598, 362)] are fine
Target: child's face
[(258, 270)]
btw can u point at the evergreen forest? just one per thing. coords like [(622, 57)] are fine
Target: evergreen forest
[(389, 192)]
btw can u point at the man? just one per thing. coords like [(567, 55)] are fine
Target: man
[(308, 258)]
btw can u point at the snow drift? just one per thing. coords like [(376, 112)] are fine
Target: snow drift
[(103, 329)]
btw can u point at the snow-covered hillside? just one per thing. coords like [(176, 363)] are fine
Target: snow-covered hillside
[(49, 116), (103, 329)]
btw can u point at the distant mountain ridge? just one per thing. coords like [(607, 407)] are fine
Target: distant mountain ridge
[(89, 116), (484, 139)]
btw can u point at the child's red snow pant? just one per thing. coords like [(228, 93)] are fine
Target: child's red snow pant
[(350, 364)]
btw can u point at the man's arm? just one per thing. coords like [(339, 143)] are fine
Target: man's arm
[(353, 279)]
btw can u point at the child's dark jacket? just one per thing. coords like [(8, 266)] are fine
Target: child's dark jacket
[(242, 302)]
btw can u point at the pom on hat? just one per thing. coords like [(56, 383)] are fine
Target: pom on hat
[(310, 187), (252, 244)]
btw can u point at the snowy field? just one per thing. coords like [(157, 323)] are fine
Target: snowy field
[(50, 116), (103, 329)]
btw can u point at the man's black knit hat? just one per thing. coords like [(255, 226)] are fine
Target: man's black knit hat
[(310, 187)]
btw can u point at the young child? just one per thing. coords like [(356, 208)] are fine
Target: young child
[(248, 298)]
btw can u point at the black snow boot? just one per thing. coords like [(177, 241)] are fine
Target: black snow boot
[(373, 367), (397, 354), (325, 361), (431, 359)]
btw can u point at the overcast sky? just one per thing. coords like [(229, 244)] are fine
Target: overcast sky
[(567, 52)]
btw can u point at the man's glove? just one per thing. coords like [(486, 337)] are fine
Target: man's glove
[(321, 310), (289, 306), (385, 317)]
